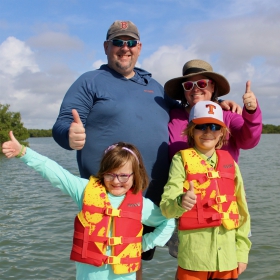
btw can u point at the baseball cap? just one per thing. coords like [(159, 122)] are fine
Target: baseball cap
[(207, 112), (123, 28)]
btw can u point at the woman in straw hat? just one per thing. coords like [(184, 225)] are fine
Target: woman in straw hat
[(200, 83)]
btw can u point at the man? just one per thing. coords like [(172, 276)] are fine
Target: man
[(117, 102)]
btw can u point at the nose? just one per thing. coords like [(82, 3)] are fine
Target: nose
[(116, 180), (124, 46)]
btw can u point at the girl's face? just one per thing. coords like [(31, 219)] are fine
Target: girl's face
[(196, 94), (115, 187), (206, 141)]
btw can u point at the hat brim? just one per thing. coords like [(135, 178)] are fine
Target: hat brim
[(174, 88), (208, 120), (123, 33)]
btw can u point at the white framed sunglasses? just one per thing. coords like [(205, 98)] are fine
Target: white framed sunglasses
[(201, 84)]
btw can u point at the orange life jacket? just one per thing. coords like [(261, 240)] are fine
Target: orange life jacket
[(215, 191), (92, 230)]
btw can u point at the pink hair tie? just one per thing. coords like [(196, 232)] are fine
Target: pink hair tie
[(125, 148)]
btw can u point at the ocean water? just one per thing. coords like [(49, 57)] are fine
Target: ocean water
[(36, 220)]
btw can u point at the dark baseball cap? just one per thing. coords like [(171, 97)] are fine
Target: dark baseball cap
[(123, 28)]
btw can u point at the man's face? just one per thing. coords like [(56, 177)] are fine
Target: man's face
[(122, 59)]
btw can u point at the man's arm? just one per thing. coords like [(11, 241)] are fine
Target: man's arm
[(78, 97)]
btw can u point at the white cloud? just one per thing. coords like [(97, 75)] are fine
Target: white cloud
[(167, 62), (37, 95), (56, 41), (16, 57)]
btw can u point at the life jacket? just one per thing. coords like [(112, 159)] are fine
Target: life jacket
[(215, 191), (95, 222)]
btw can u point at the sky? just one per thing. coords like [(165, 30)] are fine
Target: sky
[(45, 45)]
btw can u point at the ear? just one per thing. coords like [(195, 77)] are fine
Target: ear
[(106, 46)]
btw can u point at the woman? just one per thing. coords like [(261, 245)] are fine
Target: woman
[(200, 83)]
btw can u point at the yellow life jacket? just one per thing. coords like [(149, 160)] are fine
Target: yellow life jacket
[(93, 225), (215, 191)]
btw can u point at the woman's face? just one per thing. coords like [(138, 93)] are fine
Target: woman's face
[(196, 94)]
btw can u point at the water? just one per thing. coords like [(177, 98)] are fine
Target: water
[(36, 220)]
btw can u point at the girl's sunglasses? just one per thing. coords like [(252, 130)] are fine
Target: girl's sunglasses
[(201, 84), (212, 126), (120, 43)]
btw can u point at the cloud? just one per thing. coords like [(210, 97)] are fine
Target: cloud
[(36, 94), (16, 57), (167, 62), (55, 41)]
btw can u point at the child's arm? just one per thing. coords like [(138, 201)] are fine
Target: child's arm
[(152, 216), (243, 243), (171, 200), (49, 169)]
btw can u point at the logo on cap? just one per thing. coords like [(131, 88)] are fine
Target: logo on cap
[(124, 24), (211, 109)]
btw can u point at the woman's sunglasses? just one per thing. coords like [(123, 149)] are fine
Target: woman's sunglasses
[(201, 84), (120, 43), (212, 126)]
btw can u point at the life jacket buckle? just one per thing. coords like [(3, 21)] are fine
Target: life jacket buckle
[(115, 240), (213, 174), (221, 198), (113, 260), (112, 212)]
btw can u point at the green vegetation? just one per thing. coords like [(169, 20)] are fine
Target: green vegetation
[(11, 121), (270, 129), (40, 132)]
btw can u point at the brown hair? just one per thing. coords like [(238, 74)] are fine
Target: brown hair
[(116, 156), (188, 131)]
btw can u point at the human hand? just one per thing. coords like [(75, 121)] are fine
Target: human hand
[(232, 106), (77, 135), (241, 267), (189, 198), (11, 148), (249, 98)]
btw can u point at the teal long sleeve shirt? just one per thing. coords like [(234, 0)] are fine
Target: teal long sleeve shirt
[(207, 249), (74, 186)]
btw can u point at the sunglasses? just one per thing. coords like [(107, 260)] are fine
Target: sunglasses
[(201, 84), (212, 126), (123, 178), (120, 43)]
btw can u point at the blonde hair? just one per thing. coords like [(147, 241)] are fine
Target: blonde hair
[(188, 131), (118, 155)]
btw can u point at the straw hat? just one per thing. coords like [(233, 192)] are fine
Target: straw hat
[(174, 88)]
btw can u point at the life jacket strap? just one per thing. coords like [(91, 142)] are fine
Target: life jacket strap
[(221, 199), (111, 241), (112, 212), (203, 177), (225, 216), (106, 259)]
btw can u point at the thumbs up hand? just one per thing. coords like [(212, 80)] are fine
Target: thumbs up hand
[(189, 198), (77, 135), (249, 98), (12, 148)]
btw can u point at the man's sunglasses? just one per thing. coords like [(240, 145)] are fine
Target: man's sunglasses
[(120, 43), (202, 84), (212, 126)]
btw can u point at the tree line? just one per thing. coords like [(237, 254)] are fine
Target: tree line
[(12, 121)]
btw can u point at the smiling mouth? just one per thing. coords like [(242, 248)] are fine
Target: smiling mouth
[(197, 94)]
